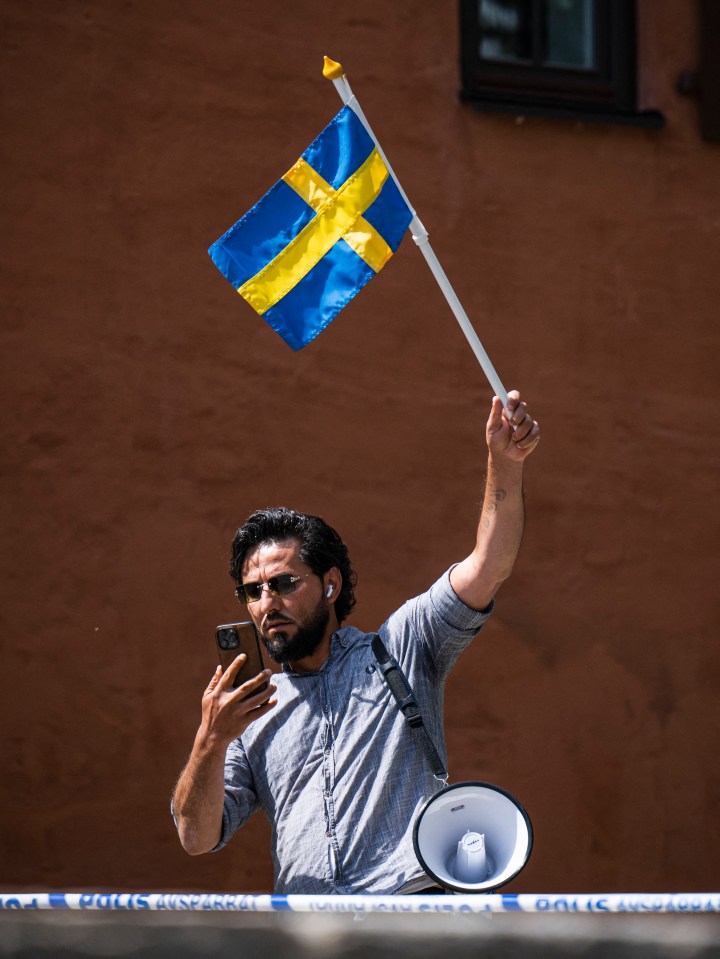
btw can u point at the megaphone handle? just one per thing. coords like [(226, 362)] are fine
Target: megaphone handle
[(407, 704)]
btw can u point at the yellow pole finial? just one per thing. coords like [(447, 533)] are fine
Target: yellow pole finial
[(332, 70)]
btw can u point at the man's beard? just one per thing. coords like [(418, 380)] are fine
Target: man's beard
[(306, 639)]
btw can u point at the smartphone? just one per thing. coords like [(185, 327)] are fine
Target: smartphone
[(235, 638)]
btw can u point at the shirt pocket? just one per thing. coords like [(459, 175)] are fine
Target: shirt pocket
[(369, 693)]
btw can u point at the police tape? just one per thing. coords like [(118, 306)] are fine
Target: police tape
[(597, 903)]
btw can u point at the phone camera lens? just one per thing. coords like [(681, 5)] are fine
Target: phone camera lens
[(228, 638)]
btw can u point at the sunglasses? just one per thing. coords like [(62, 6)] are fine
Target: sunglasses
[(280, 585)]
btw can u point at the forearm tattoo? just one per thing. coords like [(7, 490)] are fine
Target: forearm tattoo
[(490, 505), (491, 501)]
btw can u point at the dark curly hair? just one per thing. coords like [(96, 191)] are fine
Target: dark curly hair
[(320, 547)]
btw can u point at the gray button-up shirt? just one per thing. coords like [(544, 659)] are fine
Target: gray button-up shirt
[(335, 767)]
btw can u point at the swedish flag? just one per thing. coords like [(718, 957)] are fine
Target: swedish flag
[(315, 239)]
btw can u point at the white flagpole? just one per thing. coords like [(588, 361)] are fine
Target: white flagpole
[(334, 71)]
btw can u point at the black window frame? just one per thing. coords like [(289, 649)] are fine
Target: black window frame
[(608, 92)]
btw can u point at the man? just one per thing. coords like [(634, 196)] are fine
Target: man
[(323, 749)]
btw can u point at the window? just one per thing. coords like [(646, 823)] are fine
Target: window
[(573, 58)]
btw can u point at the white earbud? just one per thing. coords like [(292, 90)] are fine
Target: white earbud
[(329, 591)]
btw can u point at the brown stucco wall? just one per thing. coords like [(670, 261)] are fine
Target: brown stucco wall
[(146, 410)]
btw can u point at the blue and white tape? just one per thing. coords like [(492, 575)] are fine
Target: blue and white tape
[(598, 903)]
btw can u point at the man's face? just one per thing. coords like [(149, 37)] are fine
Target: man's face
[(292, 626)]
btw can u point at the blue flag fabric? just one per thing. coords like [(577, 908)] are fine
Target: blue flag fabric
[(325, 229)]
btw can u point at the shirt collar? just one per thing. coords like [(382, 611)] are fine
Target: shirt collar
[(339, 641)]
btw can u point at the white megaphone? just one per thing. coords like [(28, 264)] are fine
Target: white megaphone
[(472, 837)]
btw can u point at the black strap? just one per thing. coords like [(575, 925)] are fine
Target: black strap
[(406, 703)]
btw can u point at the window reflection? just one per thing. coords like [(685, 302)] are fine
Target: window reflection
[(510, 33), (506, 30), (569, 34)]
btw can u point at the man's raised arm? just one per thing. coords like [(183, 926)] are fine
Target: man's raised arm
[(477, 578)]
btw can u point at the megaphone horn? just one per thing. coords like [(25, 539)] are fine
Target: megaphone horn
[(472, 837)]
